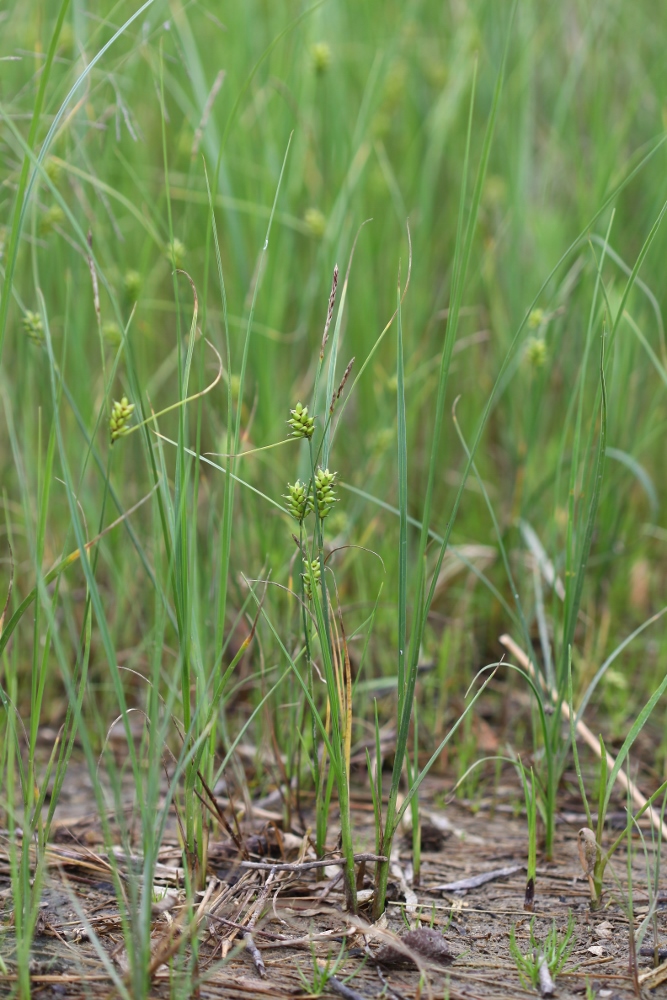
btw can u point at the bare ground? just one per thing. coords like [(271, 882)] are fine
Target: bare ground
[(299, 917)]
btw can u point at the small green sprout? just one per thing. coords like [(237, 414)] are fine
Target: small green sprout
[(554, 951), (302, 425), (326, 497), (299, 500), (323, 972), (120, 414), (33, 326)]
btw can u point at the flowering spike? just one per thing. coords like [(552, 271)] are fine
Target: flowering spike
[(311, 576), (326, 498), (302, 425), (332, 302), (321, 55), (536, 352), (120, 415), (299, 500), (336, 396), (132, 283), (34, 328), (174, 251), (536, 319)]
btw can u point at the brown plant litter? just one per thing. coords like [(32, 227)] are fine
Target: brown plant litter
[(264, 915)]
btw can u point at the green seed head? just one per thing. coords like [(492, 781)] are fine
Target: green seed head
[(132, 283), (536, 319), (321, 56), (302, 425), (311, 576), (52, 217), (536, 352), (175, 253), (120, 414), (111, 333), (299, 500), (316, 222), (326, 497), (235, 386), (34, 328), (53, 170)]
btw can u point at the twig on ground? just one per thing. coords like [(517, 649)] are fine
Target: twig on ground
[(251, 947), (331, 885), (342, 990), (177, 933), (475, 880), (648, 952), (547, 985), (282, 940), (255, 954), (264, 866), (389, 990), (654, 977)]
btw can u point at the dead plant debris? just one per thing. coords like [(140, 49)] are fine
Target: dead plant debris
[(271, 916)]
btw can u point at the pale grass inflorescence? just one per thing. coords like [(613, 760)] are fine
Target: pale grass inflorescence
[(121, 412)]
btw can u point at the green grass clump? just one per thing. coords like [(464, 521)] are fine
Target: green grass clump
[(484, 448)]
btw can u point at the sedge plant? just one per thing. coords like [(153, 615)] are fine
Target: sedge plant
[(548, 681), (317, 497), (27, 866), (424, 588), (594, 857), (141, 582)]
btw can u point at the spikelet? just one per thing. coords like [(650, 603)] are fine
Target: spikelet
[(120, 415), (302, 425)]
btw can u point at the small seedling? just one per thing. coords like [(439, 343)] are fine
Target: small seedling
[(554, 950), (531, 813), (323, 971)]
